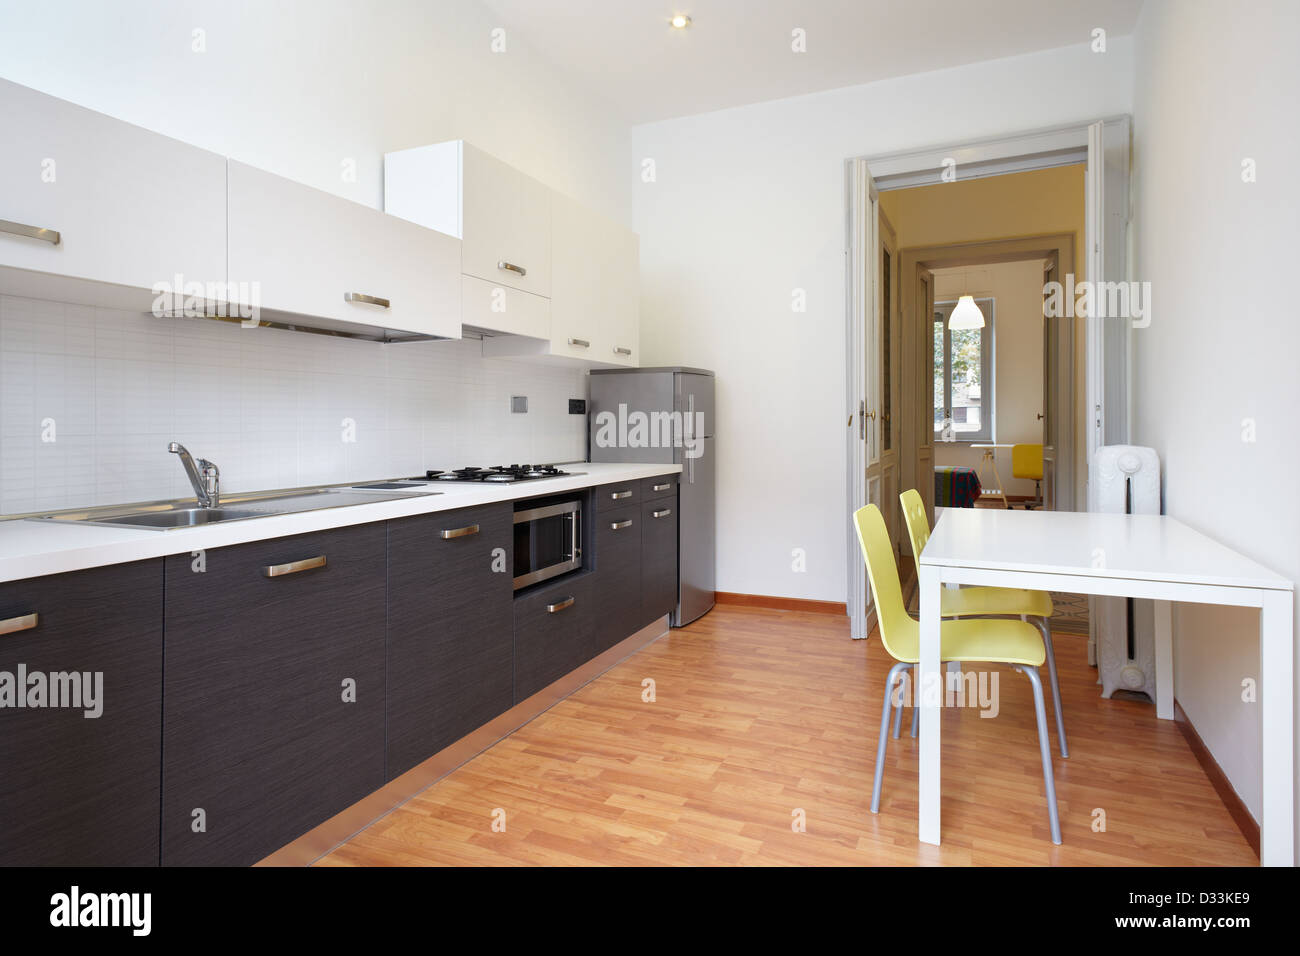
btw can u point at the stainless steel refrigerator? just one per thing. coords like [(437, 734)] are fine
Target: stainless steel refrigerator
[(687, 395)]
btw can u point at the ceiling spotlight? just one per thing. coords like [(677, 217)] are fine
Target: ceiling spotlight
[(680, 22)]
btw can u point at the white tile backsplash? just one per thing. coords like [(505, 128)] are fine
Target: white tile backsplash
[(271, 408)]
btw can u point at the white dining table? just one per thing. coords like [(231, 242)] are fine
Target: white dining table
[(1139, 556)]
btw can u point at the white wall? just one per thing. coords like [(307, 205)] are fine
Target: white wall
[(1017, 291), (747, 206), (1215, 83), (271, 408), (298, 87)]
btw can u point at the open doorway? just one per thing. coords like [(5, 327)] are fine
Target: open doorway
[(1058, 196)]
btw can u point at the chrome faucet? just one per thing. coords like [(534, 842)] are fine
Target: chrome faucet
[(204, 476)]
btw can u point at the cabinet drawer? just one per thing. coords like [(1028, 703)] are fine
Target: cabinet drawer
[(617, 496), (553, 628), (658, 558), (450, 628), (78, 790), (273, 691), (658, 486)]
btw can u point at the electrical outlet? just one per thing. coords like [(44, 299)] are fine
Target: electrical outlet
[(518, 404), (577, 406)]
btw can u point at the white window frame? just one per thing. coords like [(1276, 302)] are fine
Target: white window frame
[(988, 345)]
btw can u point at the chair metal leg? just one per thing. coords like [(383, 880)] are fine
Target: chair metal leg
[(884, 733), (898, 710), (916, 715), (1044, 750), (1046, 631)]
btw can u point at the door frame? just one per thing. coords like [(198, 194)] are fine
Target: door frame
[(918, 350), (1043, 148)]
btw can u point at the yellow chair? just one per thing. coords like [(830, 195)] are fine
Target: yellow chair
[(1033, 606), (1027, 462), (998, 641)]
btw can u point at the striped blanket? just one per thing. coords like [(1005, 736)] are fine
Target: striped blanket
[(955, 486)]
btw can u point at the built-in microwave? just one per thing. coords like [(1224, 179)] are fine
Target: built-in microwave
[(548, 541)]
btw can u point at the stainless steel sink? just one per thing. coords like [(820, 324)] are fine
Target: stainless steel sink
[(169, 515), (181, 518)]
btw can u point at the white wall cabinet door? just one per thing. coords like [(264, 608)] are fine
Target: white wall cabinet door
[(493, 307), (502, 216), (131, 207), (620, 336), (594, 286), (506, 224), (315, 254)]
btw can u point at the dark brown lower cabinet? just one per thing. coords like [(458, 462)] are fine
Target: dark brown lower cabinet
[(273, 691), (450, 628), (553, 631), (78, 790), (658, 558), (618, 569)]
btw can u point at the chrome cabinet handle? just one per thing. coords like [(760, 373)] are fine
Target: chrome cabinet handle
[(364, 299), (560, 606), (619, 350), (661, 514), (663, 487), (24, 622), (615, 495), (580, 343), (30, 232), (511, 267), (620, 525), (464, 532), (293, 567)]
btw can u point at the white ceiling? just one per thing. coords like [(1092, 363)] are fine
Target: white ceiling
[(739, 51)]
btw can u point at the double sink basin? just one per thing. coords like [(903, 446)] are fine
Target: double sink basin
[(165, 516)]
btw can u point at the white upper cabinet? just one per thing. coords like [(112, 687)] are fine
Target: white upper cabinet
[(130, 207), (594, 282), (502, 216), (298, 250)]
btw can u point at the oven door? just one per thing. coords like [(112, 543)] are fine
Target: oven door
[(548, 542)]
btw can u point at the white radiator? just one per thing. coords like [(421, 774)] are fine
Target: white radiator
[(1128, 481)]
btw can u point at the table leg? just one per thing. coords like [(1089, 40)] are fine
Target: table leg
[(1277, 660), (1164, 638), (928, 688), (1002, 488)]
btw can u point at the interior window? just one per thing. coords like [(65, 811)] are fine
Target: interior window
[(963, 381)]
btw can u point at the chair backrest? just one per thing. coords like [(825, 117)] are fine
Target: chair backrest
[(918, 526), (895, 623), (1027, 461)]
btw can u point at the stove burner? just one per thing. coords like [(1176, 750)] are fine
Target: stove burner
[(497, 474)]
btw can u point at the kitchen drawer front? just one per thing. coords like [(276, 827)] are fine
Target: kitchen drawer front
[(618, 564), (658, 558), (317, 254), (131, 207), (658, 486), (273, 691), (553, 632), (78, 790), (617, 496), (450, 628), (499, 308)]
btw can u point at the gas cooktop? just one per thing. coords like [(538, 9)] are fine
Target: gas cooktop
[(497, 474)]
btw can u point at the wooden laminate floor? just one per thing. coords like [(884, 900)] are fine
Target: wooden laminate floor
[(761, 714)]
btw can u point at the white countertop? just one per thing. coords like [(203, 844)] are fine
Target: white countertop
[(30, 548)]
